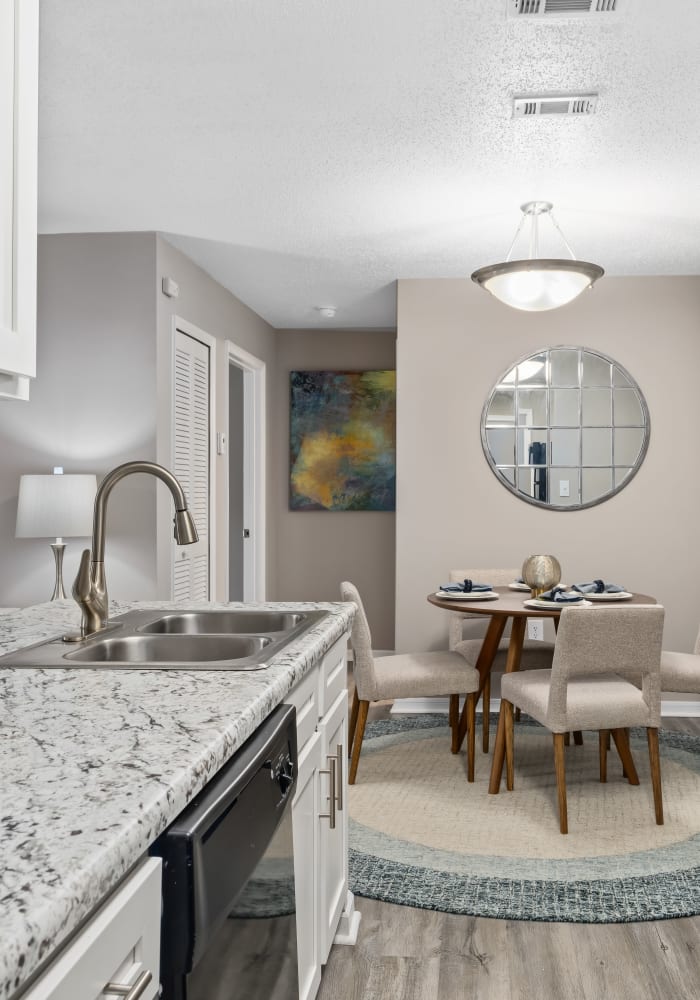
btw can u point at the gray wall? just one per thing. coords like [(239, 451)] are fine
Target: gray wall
[(209, 306), (316, 550), (453, 343), (92, 406)]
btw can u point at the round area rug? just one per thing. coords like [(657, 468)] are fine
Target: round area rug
[(420, 835)]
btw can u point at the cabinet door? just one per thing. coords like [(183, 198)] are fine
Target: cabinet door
[(333, 857), (306, 875), (19, 62), (119, 945)]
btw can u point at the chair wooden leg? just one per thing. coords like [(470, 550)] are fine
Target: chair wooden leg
[(471, 734), (353, 720), (621, 741), (509, 744), (454, 722), (578, 737), (603, 737), (655, 767), (560, 768), (357, 742), (485, 714)]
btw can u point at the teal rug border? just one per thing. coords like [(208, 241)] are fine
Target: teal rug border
[(656, 896)]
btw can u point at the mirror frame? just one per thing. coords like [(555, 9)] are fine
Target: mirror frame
[(499, 386)]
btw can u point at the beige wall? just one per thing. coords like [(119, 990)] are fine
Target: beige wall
[(453, 343), (316, 550)]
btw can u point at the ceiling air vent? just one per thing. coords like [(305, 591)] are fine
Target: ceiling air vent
[(561, 8), (555, 104)]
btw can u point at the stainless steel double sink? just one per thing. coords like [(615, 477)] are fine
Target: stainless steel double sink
[(228, 639)]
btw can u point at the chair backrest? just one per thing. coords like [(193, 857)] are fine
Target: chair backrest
[(622, 640), (361, 642), (466, 626)]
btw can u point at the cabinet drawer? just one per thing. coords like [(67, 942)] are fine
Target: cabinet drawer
[(304, 697), (334, 675), (120, 943)]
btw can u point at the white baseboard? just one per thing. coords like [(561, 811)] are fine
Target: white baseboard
[(417, 706)]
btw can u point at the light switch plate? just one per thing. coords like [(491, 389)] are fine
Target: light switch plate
[(563, 487)]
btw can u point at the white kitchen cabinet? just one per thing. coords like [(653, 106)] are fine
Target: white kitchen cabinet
[(325, 907), (19, 74), (119, 947), (305, 829)]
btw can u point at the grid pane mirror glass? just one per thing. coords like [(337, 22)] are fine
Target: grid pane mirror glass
[(565, 428)]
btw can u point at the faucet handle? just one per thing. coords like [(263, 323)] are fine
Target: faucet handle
[(82, 586)]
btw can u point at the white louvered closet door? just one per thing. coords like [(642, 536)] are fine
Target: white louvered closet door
[(190, 563)]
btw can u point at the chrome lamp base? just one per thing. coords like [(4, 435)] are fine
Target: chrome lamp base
[(58, 549)]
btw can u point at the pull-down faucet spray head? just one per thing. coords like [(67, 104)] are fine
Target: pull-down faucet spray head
[(184, 532)]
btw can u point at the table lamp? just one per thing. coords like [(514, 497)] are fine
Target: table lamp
[(56, 506)]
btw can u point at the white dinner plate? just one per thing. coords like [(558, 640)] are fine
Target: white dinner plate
[(518, 586), (623, 595), (535, 603), (480, 595)]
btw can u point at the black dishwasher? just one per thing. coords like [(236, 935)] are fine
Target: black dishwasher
[(228, 920)]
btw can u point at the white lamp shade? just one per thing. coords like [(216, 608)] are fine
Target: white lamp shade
[(55, 506)]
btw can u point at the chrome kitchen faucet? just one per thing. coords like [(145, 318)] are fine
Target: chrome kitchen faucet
[(90, 587)]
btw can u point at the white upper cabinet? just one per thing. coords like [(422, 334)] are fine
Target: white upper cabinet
[(19, 84)]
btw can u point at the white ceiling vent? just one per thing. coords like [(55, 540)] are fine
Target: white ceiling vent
[(555, 104), (562, 8)]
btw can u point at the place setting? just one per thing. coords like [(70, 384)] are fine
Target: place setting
[(467, 590)]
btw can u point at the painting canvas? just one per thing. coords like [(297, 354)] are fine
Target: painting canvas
[(343, 441)]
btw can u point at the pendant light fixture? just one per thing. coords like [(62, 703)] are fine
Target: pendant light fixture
[(537, 284)]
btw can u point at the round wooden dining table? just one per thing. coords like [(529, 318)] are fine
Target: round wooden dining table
[(509, 604)]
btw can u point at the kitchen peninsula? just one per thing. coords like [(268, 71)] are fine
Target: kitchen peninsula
[(97, 762)]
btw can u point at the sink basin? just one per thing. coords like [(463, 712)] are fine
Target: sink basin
[(169, 649), (194, 639), (232, 622)]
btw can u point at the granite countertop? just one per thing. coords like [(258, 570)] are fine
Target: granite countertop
[(96, 763)]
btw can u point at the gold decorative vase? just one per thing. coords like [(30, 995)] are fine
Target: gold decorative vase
[(541, 573)]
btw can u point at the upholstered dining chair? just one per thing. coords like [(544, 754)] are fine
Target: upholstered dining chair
[(466, 634), (680, 672), (405, 675), (600, 658)]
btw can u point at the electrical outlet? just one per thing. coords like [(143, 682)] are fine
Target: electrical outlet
[(535, 628)]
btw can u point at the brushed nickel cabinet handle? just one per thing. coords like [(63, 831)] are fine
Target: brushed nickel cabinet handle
[(133, 992), (332, 774), (339, 758)]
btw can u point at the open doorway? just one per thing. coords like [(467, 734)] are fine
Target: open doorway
[(245, 388)]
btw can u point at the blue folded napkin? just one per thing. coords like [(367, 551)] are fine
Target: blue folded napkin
[(598, 587), (465, 587), (557, 595)]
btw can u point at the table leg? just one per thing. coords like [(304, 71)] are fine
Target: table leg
[(515, 648), (487, 654)]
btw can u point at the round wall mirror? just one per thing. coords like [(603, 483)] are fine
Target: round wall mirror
[(565, 428)]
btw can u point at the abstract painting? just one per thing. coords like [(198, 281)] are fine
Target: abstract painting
[(342, 441)]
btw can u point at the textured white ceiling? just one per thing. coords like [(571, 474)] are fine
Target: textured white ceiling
[(311, 152)]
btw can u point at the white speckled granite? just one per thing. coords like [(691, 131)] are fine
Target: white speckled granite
[(96, 763)]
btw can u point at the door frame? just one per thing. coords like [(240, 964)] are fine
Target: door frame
[(164, 455), (254, 470)]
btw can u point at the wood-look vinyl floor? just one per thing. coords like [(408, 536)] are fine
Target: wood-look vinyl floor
[(409, 954)]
